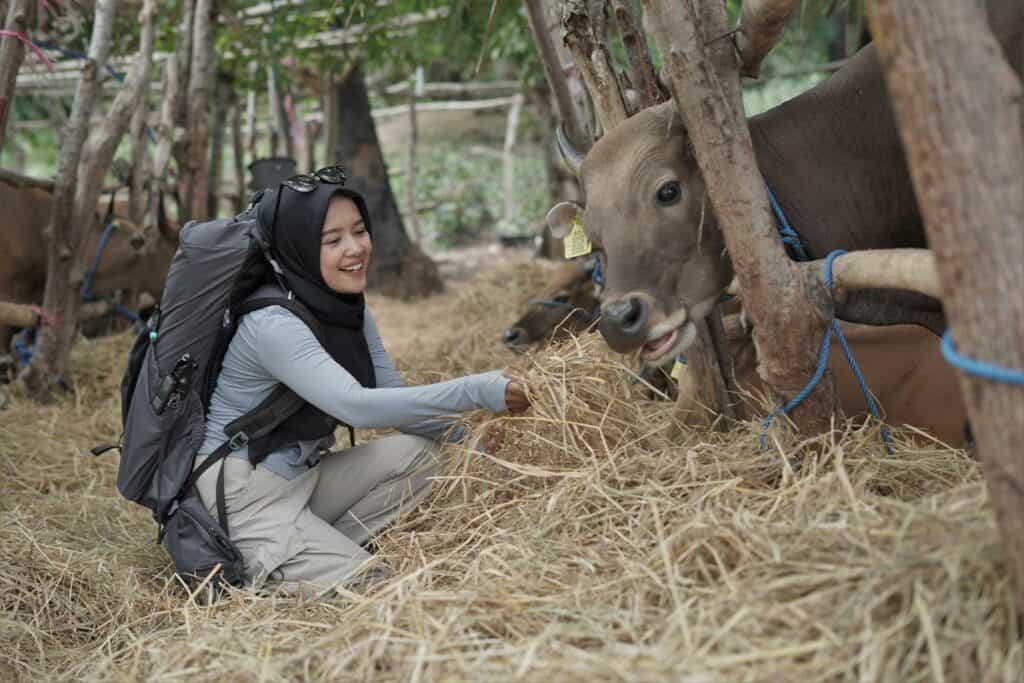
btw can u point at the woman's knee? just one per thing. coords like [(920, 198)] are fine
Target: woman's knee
[(413, 452)]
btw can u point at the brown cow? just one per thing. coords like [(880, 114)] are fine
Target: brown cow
[(129, 260), (832, 157), (565, 305), (902, 366)]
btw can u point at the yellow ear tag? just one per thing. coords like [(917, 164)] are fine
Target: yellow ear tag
[(576, 242), (676, 370)]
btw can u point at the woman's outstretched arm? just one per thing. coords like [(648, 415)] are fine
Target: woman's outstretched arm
[(290, 352)]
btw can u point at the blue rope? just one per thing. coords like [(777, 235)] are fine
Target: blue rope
[(86, 291), (789, 236), (819, 371), (75, 54), (24, 345), (597, 275), (971, 366)]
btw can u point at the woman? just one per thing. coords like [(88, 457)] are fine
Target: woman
[(301, 516)]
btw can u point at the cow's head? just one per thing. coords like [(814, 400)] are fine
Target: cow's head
[(134, 257), (566, 305), (648, 216)]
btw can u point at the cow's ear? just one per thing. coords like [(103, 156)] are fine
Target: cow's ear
[(562, 216)]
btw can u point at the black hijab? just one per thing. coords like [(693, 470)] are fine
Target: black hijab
[(295, 245)]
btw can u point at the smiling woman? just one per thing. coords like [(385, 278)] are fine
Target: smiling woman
[(298, 514)]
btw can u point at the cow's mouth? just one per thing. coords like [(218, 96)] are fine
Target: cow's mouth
[(674, 335), (672, 343)]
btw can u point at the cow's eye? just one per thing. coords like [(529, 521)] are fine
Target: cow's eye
[(562, 298), (669, 193)]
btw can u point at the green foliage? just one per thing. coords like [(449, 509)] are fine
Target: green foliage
[(460, 191)]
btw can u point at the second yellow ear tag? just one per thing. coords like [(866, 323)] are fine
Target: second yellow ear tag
[(676, 370), (576, 242)]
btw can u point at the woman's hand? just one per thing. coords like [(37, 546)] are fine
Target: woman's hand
[(515, 395)]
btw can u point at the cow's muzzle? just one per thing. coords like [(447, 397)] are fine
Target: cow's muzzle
[(514, 338), (624, 323)]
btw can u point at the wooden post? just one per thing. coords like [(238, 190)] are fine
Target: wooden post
[(508, 160), (641, 70), (250, 115), (330, 106), (140, 158), (415, 85), (238, 149), (225, 83), (760, 28), (174, 87), (12, 54), (959, 109), (590, 52), (60, 300), (200, 83), (280, 130), (704, 78), (550, 50)]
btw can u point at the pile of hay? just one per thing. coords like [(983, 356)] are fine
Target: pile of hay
[(599, 543)]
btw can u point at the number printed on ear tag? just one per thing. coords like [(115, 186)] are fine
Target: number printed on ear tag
[(576, 242)]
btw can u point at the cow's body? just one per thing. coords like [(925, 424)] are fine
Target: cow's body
[(901, 364), (833, 158), (129, 260)]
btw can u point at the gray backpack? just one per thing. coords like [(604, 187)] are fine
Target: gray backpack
[(214, 279)]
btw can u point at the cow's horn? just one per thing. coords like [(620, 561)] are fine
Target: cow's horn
[(571, 157)]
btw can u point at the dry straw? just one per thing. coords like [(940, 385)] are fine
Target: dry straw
[(600, 543)]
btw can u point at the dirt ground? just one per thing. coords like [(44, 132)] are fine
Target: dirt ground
[(601, 542)]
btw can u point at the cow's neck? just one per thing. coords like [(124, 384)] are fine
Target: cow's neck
[(833, 158)]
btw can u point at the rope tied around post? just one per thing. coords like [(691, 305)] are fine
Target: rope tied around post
[(819, 371), (978, 368)]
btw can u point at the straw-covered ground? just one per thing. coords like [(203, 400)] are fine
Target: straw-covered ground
[(597, 544)]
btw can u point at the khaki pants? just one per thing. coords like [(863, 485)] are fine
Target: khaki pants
[(308, 531)]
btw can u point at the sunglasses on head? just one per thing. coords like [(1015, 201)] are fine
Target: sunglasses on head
[(307, 182)]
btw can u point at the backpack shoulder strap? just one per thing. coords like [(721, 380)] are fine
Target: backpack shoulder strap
[(296, 307)]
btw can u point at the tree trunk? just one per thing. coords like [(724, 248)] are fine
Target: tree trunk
[(200, 83), (410, 171), (590, 52), (330, 105), (508, 176), (159, 185), (250, 115), (958, 105), (138, 135), (398, 268), (547, 36), (705, 84), (280, 129), (59, 300), (238, 149), (12, 54), (221, 104), (561, 183), (641, 70)]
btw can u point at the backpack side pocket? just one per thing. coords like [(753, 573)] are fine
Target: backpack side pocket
[(197, 544)]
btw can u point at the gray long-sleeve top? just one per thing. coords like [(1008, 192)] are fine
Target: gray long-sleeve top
[(272, 345)]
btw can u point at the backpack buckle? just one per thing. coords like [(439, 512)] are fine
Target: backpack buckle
[(238, 441)]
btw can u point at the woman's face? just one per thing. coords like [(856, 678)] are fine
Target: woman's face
[(345, 248)]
